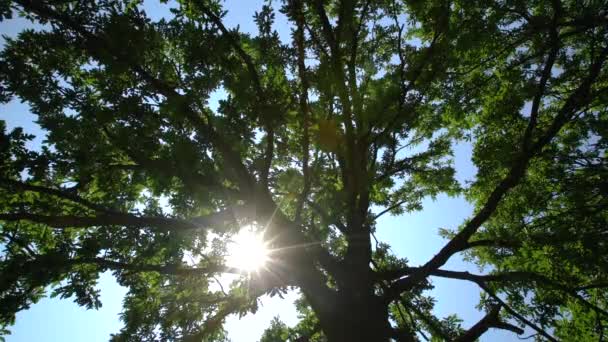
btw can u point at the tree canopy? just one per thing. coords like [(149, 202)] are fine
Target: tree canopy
[(354, 118)]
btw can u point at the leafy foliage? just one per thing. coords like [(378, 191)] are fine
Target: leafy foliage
[(318, 137)]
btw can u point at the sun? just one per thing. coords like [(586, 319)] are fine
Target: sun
[(247, 250)]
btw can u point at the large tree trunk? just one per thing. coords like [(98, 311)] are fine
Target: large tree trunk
[(352, 313), (358, 319)]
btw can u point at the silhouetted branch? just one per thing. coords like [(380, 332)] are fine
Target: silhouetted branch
[(578, 98), (163, 269), (327, 29), (59, 261), (17, 185), (516, 314), (392, 207), (490, 320), (268, 155), (121, 219), (515, 276), (542, 84), (303, 102), (592, 286)]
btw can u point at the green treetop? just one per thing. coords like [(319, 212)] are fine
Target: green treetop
[(358, 111)]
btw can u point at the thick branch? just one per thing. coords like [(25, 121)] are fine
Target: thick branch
[(515, 276), (577, 99), (12, 184), (516, 314), (60, 263), (121, 219), (327, 29), (592, 286), (542, 85), (490, 320)]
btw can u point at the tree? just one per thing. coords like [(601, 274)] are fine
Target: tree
[(277, 332), (317, 139)]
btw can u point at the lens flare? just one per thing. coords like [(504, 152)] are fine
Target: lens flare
[(247, 250)]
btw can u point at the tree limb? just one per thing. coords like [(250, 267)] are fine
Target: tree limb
[(515, 276), (268, 155), (490, 320), (542, 84), (121, 219), (431, 322), (236, 45), (327, 29), (392, 207), (579, 97), (13, 184), (592, 286), (163, 269), (303, 102), (516, 314)]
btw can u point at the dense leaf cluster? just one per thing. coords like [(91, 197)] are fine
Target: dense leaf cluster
[(353, 118)]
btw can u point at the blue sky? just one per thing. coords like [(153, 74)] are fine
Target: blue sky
[(412, 235)]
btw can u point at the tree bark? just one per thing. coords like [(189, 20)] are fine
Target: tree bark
[(358, 319)]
